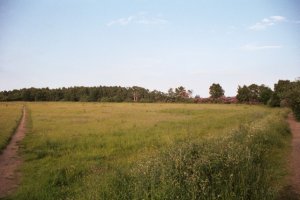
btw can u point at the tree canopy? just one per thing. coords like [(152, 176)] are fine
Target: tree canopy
[(100, 93), (216, 91), (287, 93), (254, 94)]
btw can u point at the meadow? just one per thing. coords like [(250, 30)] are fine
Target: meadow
[(153, 151), (10, 115)]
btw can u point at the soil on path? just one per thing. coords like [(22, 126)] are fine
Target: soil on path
[(10, 161), (292, 192)]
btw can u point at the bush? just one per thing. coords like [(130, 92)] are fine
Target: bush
[(274, 101), (105, 99)]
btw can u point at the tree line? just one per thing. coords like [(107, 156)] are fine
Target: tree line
[(100, 93), (285, 93)]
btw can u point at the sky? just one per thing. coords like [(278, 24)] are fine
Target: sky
[(156, 44)]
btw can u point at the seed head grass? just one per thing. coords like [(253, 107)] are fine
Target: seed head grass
[(152, 151), (10, 115)]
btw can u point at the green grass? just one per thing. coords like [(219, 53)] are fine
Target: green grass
[(245, 164), (10, 115), (152, 151)]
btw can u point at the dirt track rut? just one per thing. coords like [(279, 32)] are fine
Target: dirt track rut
[(10, 161), (295, 156)]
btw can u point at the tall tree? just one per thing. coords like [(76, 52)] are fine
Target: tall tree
[(243, 94), (180, 92), (216, 91), (287, 93), (265, 94), (294, 98), (282, 88), (254, 92)]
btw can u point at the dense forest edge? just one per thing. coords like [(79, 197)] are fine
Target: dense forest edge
[(286, 93)]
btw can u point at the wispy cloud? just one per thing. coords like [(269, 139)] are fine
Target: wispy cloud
[(255, 47), (267, 22), (121, 21), (140, 18)]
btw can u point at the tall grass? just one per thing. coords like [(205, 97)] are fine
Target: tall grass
[(150, 151), (238, 166), (10, 115)]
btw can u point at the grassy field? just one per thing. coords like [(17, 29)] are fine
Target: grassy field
[(10, 115), (153, 151)]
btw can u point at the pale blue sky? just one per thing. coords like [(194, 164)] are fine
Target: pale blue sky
[(156, 44)]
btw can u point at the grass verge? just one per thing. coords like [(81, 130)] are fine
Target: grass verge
[(247, 164), (10, 116), (152, 151)]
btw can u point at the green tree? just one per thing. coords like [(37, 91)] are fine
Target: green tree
[(289, 93), (254, 93), (282, 88), (180, 92), (293, 96), (243, 94), (171, 95), (216, 91), (274, 101), (94, 94), (100, 93), (265, 94)]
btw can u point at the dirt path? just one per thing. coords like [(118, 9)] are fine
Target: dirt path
[(295, 156), (10, 161)]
